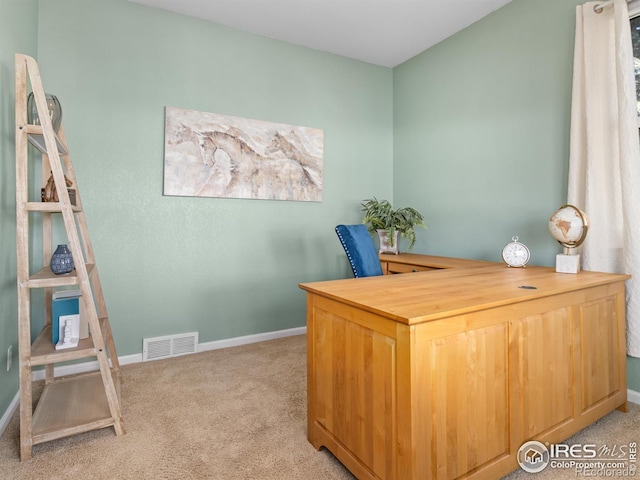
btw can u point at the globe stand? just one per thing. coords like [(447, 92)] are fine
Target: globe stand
[(567, 262)]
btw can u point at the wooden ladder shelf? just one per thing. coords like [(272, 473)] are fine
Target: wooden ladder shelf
[(84, 402)]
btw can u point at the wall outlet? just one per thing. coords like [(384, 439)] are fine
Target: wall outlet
[(9, 357)]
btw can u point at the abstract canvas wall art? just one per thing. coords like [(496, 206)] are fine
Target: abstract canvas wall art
[(213, 155)]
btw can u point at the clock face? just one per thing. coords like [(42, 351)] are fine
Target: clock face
[(516, 254)]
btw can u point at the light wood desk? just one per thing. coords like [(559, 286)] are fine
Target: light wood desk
[(412, 262), (446, 373)]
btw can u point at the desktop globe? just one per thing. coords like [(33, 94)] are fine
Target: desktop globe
[(569, 226)]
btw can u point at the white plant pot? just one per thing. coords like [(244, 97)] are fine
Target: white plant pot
[(385, 246)]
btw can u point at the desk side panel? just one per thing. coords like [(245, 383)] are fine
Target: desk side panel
[(491, 380), (352, 387), (462, 396), (600, 370), (545, 349), (570, 353)]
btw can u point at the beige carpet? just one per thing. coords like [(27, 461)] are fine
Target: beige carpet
[(236, 413)]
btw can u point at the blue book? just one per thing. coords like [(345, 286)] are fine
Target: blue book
[(64, 302)]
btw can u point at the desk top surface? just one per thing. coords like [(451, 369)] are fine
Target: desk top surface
[(434, 261), (413, 298)]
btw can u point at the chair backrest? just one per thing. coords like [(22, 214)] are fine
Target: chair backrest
[(360, 250)]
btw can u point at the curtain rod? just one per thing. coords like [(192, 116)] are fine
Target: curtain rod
[(599, 7)]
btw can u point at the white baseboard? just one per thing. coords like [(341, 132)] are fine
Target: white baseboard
[(633, 396), (247, 339), (137, 358), (11, 409)]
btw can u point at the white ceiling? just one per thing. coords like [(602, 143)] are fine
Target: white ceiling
[(382, 32)]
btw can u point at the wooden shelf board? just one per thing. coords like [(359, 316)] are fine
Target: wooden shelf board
[(36, 138), (46, 278), (71, 406), (43, 351)]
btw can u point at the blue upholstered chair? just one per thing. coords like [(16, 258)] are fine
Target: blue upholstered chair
[(360, 250)]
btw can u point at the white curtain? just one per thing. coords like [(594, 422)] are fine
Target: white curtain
[(604, 163)]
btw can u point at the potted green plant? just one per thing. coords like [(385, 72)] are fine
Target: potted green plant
[(381, 218)]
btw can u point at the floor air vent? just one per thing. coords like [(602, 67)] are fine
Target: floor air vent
[(169, 346)]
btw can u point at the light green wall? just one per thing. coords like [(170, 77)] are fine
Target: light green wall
[(481, 134), (481, 131), (222, 267), (18, 33)]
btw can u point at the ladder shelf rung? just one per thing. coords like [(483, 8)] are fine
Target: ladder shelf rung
[(53, 207)]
